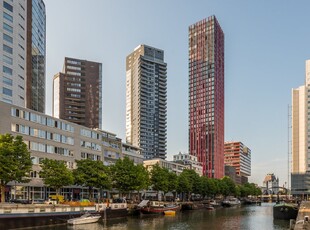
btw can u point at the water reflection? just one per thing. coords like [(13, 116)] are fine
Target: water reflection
[(244, 218)]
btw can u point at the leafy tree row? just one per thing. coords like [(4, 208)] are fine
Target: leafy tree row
[(125, 176)]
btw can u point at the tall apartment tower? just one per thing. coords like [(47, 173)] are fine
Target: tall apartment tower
[(206, 95), (13, 52), (23, 53), (301, 126), (300, 167), (146, 101), (35, 57), (77, 93)]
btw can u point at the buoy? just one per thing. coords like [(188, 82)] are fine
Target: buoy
[(169, 213)]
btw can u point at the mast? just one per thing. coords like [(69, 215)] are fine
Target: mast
[(288, 144)]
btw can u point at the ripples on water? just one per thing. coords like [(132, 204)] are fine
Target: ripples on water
[(244, 218)]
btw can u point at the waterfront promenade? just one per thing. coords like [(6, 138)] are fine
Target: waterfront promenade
[(303, 220)]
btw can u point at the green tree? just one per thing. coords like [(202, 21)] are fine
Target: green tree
[(92, 174), (160, 178), (212, 187), (142, 180), (172, 182), (15, 161), (228, 186), (194, 179), (55, 174), (249, 189), (124, 174), (184, 185)]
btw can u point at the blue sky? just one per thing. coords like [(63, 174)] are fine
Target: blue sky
[(266, 45)]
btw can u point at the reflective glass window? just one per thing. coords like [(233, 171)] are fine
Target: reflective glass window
[(7, 92), (7, 6), (7, 70), (7, 49), (7, 17), (7, 60), (7, 81), (7, 38), (7, 27)]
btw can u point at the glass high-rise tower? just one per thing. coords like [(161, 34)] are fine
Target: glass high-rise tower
[(36, 53), (23, 44), (146, 101), (206, 95)]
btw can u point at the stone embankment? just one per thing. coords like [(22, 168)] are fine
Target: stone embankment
[(303, 218)]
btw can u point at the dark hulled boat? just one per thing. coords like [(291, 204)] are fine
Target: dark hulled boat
[(285, 211), (156, 207)]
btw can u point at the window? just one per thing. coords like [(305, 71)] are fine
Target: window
[(7, 49), (7, 60), (7, 92), (21, 7), (7, 70), (7, 6), (7, 81), (21, 27), (7, 100), (21, 37), (7, 27), (22, 17), (21, 46), (7, 38), (7, 17)]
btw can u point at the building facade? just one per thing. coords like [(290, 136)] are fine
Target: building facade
[(36, 55), (53, 138), (270, 184), (230, 171), (238, 155), (171, 166), (13, 56), (133, 153), (300, 166), (206, 95), (77, 93), (146, 101), (112, 148), (190, 160)]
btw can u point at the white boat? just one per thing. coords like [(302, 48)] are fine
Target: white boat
[(84, 219), (231, 202)]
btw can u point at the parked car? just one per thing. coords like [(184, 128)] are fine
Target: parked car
[(38, 201), (20, 201)]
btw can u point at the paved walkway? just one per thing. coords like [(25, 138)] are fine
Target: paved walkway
[(303, 213)]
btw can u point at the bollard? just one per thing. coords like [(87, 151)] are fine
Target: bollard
[(292, 224)]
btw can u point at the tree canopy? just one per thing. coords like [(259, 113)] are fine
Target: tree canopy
[(15, 161), (55, 174), (92, 174), (159, 178), (126, 176)]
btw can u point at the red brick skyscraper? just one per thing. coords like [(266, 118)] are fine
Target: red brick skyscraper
[(206, 95)]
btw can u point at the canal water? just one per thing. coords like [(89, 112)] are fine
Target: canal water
[(243, 218)]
